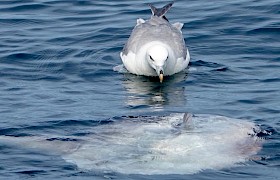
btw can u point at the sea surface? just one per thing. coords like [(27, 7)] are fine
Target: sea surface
[(56, 76)]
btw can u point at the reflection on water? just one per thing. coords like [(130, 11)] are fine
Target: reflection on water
[(148, 91)]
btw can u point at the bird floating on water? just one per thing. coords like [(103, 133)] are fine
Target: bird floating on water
[(156, 47)]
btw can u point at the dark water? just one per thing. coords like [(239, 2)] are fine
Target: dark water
[(56, 75)]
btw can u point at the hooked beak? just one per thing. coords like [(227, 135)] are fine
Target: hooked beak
[(160, 72), (160, 76)]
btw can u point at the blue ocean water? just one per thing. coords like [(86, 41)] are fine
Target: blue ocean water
[(56, 76)]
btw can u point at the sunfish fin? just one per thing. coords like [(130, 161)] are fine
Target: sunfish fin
[(160, 12), (187, 121)]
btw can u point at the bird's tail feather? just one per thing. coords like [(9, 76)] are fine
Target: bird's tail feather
[(160, 12)]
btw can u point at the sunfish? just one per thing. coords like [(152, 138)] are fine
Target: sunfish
[(180, 143)]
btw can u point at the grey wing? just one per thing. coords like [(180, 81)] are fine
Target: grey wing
[(180, 45), (134, 39), (176, 41)]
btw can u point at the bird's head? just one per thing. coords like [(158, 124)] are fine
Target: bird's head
[(157, 56)]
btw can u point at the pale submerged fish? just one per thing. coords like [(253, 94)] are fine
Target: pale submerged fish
[(155, 46), (180, 143)]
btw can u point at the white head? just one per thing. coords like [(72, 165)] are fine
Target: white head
[(157, 56)]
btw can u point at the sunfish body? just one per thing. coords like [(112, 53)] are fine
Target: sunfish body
[(175, 144), (156, 47)]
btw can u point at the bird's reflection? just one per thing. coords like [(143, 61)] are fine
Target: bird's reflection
[(148, 91)]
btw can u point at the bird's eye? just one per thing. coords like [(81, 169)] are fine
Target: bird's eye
[(151, 58)]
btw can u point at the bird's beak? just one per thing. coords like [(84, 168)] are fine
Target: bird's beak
[(160, 72), (160, 76)]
